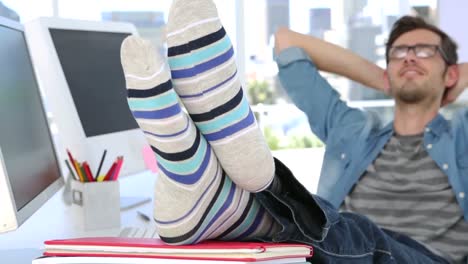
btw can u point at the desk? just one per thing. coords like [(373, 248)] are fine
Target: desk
[(56, 220)]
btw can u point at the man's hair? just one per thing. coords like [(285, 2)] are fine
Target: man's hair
[(408, 23)]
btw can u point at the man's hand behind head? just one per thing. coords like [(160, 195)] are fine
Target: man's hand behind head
[(452, 93)]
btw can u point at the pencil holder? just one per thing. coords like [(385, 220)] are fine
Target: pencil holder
[(97, 203)]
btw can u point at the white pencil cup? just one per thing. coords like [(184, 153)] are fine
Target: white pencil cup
[(98, 203)]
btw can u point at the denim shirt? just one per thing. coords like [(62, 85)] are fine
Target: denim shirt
[(354, 138)]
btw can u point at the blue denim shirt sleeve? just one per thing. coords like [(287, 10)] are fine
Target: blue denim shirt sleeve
[(311, 93), (460, 124), (354, 139)]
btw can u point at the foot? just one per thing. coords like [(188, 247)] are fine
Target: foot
[(204, 72)]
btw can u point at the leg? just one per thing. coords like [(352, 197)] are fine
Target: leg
[(335, 237), (202, 64), (194, 198), (216, 213)]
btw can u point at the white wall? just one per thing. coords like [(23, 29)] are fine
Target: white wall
[(305, 164), (452, 19)]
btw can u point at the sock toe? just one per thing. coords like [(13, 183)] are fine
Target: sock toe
[(201, 58)]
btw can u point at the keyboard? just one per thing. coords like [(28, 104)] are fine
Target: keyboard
[(139, 232)]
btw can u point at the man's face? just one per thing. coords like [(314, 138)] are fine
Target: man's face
[(414, 79)]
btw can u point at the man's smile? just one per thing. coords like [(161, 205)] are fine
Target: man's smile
[(410, 72)]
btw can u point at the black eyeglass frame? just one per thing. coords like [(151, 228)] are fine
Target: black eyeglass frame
[(408, 48)]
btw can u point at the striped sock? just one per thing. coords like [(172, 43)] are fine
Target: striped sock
[(194, 200), (204, 72)]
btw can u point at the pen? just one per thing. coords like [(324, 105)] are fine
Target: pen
[(144, 216), (100, 163)]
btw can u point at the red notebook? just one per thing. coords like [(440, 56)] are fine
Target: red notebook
[(155, 248)]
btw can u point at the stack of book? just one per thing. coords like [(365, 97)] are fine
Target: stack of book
[(151, 250)]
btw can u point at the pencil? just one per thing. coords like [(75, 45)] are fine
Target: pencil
[(74, 164), (109, 173), (117, 168), (78, 171), (88, 172), (100, 178), (71, 170)]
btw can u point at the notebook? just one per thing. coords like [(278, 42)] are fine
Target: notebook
[(117, 260), (151, 248)]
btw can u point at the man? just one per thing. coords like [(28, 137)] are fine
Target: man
[(198, 197), (411, 175)]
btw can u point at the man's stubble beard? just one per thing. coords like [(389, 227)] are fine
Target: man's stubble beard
[(411, 93)]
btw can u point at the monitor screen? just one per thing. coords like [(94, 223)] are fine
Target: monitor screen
[(26, 146), (95, 78), (79, 71)]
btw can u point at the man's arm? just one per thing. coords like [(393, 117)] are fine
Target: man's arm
[(332, 58)]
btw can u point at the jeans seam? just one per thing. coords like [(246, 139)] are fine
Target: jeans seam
[(328, 223), (370, 253), (384, 251), (324, 229), (293, 216)]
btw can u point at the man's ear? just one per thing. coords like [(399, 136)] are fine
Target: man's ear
[(451, 76), (386, 83)]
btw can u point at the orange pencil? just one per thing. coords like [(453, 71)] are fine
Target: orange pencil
[(78, 171)]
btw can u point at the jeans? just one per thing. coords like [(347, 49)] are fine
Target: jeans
[(336, 237)]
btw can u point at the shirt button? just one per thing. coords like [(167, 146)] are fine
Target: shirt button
[(343, 155), (461, 195), (429, 146), (428, 129), (445, 166)]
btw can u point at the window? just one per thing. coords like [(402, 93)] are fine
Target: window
[(360, 25), (27, 9)]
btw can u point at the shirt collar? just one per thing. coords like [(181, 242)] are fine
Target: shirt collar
[(388, 129), (437, 125)]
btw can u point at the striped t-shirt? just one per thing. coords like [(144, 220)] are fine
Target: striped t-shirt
[(405, 191)]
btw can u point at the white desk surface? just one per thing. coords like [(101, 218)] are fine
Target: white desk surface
[(55, 220)]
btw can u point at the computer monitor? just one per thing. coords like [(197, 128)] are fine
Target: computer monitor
[(29, 170), (79, 69)]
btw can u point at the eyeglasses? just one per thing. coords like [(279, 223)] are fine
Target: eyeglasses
[(422, 51)]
